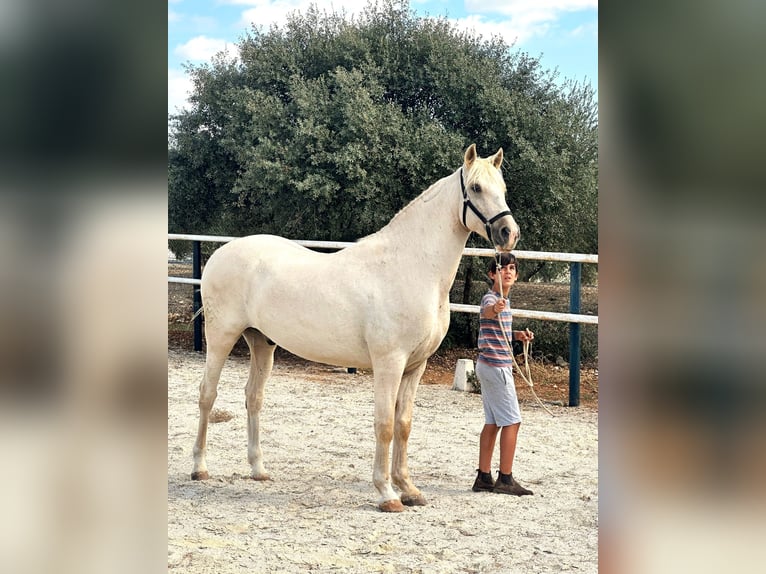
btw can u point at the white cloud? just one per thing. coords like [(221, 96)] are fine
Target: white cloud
[(514, 20), (521, 19), (202, 48), (589, 29), (266, 12), (179, 88), (510, 30)]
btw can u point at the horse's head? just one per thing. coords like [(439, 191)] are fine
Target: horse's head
[(483, 191)]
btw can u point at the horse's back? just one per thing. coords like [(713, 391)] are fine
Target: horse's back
[(252, 246), (235, 260)]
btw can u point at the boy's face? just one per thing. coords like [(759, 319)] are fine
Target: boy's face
[(508, 275)]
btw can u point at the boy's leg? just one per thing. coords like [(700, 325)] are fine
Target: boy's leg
[(484, 480), (508, 447), (487, 446), (506, 484)]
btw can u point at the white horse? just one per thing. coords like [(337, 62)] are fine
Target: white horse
[(380, 304)]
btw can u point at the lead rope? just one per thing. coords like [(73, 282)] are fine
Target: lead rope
[(525, 345)]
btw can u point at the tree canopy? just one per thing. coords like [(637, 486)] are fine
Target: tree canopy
[(324, 128)]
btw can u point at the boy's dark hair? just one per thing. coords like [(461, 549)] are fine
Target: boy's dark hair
[(505, 259)]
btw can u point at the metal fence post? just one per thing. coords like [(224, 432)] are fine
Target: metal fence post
[(197, 274), (575, 271)]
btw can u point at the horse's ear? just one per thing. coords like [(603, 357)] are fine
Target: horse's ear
[(497, 159), (470, 155)]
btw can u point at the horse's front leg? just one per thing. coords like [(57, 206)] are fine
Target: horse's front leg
[(411, 496), (387, 382)]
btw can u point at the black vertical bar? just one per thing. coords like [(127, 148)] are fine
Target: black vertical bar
[(575, 271), (197, 274)]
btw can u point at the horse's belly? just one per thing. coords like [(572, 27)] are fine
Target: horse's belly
[(320, 345), (330, 355), (350, 344)]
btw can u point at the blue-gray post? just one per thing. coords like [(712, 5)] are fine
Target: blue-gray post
[(197, 274), (575, 270)]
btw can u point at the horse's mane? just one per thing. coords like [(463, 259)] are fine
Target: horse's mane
[(424, 196), (480, 169)]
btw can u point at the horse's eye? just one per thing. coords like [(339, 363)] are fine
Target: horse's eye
[(476, 188)]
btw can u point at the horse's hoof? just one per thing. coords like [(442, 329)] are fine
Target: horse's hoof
[(394, 505), (417, 500), (260, 476), (202, 475)]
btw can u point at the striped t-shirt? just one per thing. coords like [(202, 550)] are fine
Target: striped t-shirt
[(493, 350)]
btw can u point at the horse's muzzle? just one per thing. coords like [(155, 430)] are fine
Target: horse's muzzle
[(505, 233)]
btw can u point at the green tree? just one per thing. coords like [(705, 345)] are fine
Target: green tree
[(326, 127)]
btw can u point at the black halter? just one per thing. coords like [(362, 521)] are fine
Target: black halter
[(467, 203)]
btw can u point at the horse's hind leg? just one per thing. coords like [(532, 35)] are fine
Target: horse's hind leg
[(219, 346), (400, 474), (261, 362)]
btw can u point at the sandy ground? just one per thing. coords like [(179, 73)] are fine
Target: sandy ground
[(319, 513)]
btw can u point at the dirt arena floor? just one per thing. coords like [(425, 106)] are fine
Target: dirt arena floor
[(319, 513)]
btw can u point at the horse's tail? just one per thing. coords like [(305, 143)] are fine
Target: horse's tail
[(198, 313)]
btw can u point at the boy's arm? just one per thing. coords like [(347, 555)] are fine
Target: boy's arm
[(492, 310)]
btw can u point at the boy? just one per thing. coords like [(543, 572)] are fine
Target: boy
[(494, 368)]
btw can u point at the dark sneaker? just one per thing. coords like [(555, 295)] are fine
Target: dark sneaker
[(483, 482), (506, 484)]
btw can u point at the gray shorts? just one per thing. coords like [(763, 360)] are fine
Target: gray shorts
[(498, 393)]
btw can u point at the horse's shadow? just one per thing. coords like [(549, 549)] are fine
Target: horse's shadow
[(322, 492)]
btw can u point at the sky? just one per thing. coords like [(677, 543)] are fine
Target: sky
[(562, 33)]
